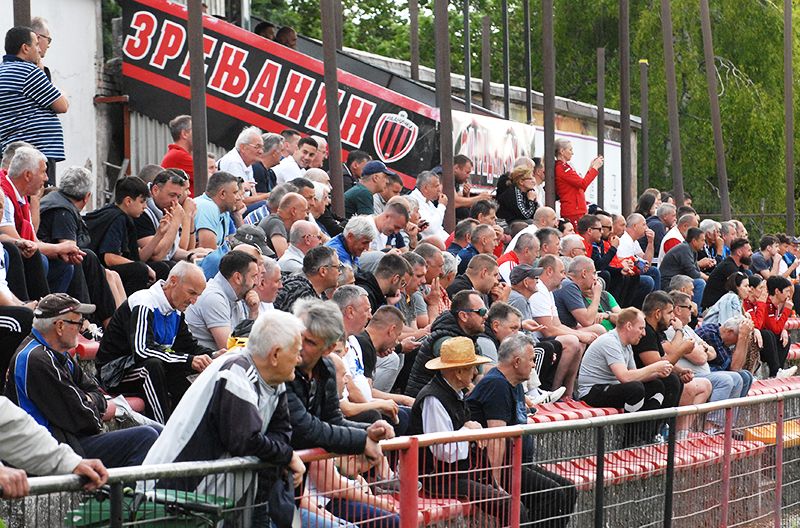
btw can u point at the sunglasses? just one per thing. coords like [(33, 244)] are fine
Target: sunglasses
[(480, 311)]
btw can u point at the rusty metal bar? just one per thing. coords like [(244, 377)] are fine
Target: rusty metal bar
[(443, 96), (328, 16), (197, 87)]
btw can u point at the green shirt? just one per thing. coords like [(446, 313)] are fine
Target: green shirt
[(607, 303), (358, 200)]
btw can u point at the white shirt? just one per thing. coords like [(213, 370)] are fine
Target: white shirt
[(354, 361), (532, 229), (8, 208), (436, 420), (432, 214), (542, 304), (380, 241), (292, 260), (233, 163), (672, 233), (628, 247), (287, 170)]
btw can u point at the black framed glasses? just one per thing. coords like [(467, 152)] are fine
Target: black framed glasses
[(683, 306), (480, 311), (48, 39), (79, 322)]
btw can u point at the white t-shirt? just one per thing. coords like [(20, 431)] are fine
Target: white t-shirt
[(233, 163), (511, 245), (287, 170), (628, 247), (542, 304), (354, 361)]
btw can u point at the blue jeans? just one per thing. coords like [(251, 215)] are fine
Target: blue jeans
[(699, 288), (123, 448), (727, 384), (312, 520), (366, 516)]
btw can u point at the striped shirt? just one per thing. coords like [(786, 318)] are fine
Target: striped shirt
[(25, 114)]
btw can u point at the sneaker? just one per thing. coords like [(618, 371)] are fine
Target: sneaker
[(786, 373), (548, 396)]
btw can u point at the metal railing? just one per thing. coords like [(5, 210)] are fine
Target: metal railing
[(603, 471)]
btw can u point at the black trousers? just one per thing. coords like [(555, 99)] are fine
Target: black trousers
[(26, 277), (15, 325), (487, 498), (134, 276), (160, 384), (548, 354), (89, 285), (773, 353), (549, 497)]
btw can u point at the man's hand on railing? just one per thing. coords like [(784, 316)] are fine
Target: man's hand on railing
[(94, 471), (13, 483), (298, 468), (380, 430)]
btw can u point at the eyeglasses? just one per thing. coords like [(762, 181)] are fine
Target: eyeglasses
[(48, 39), (597, 228), (340, 267), (79, 322), (605, 227), (256, 146), (683, 306), (480, 311)]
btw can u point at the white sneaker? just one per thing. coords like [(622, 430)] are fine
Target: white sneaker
[(548, 397), (786, 373)]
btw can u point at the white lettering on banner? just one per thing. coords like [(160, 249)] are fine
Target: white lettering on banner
[(262, 94), (355, 119)]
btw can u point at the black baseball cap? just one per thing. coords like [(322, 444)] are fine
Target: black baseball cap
[(523, 271), (57, 304)]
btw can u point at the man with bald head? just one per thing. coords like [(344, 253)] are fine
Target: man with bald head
[(147, 348), (544, 217), (303, 236), (293, 207)]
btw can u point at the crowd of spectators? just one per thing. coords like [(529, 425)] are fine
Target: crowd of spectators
[(359, 328)]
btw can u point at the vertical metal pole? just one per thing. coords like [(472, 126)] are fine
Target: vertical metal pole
[(788, 106), (409, 477), (716, 119), (22, 12), (245, 14), (549, 89), (779, 464), (599, 488), (672, 103), (486, 61), (601, 123), (339, 25), (670, 474), (328, 15), (442, 32), (115, 519), (726, 469), (644, 114), (625, 107), (467, 61), (413, 11), (526, 15), (197, 86), (516, 480), (506, 60)]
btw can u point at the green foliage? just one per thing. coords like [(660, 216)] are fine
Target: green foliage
[(110, 9)]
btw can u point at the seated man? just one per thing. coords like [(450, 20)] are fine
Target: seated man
[(609, 376), (321, 271), (461, 235), (356, 238), (446, 469), (498, 400), (147, 349), (482, 242), (724, 384), (30, 447), (216, 312), (525, 252), (390, 277), (481, 274), (214, 208), (730, 342), (293, 207), (502, 320), (45, 381), (238, 407), (380, 337), (303, 236), (682, 260), (572, 309), (314, 411), (630, 249), (113, 234), (358, 200), (432, 204)]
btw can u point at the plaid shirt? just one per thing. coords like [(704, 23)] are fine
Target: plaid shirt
[(710, 334)]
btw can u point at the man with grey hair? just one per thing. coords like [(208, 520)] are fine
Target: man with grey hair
[(60, 220), (525, 252), (26, 177), (8, 154), (270, 284), (727, 231), (321, 270), (43, 40), (353, 301), (630, 249), (711, 253), (148, 350), (432, 204), (498, 400), (179, 152), (571, 246), (730, 342), (677, 234), (313, 398), (356, 238), (238, 407), (580, 286), (322, 153), (263, 174), (303, 236), (239, 161)]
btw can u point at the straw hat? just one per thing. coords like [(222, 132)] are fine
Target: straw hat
[(456, 352)]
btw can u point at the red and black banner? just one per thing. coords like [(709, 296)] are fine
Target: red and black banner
[(254, 81)]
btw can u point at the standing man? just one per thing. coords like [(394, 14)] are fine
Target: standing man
[(30, 101), (462, 168), (358, 199), (179, 153)]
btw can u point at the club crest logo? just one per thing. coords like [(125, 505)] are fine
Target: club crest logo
[(394, 136)]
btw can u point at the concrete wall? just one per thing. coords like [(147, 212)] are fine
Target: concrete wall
[(74, 59)]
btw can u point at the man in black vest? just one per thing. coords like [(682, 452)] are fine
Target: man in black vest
[(440, 406)]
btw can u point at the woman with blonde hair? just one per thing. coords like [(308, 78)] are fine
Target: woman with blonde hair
[(570, 185), (516, 195)]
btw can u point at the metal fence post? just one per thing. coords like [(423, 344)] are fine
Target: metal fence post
[(409, 477), (778, 464), (599, 497), (115, 521), (726, 468), (516, 480), (670, 474)]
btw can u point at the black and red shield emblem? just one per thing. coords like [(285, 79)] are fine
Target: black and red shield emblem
[(394, 135)]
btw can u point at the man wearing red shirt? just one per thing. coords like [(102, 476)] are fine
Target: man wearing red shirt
[(179, 154)]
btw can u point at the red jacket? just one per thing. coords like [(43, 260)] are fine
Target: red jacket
[(571, 189)]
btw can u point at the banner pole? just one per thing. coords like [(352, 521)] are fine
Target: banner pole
[(328, 18), (197, 87), (443, 96)]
